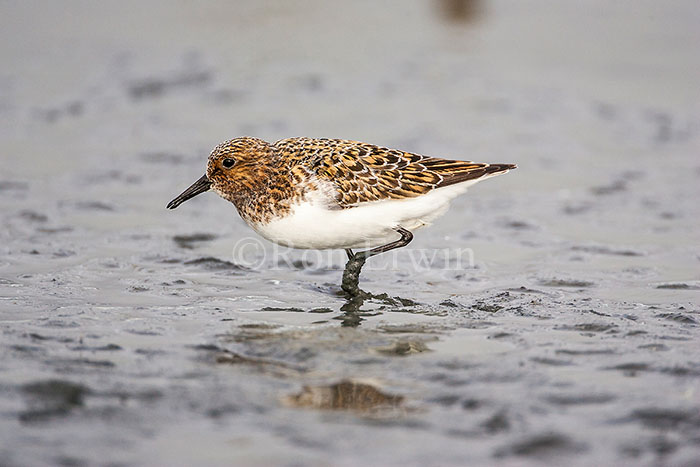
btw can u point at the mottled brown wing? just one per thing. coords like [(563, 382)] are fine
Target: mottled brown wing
[(363, 172)]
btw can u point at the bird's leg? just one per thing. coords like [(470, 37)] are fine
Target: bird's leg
[(405, 239), (351, 274)]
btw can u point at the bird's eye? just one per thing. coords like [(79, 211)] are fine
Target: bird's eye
[(228, 163)]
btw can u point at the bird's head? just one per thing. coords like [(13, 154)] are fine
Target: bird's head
[(233, 166)]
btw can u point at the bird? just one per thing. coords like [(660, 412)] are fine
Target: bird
[(321, 193)]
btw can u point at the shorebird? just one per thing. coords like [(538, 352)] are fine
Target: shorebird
[(335, 194)]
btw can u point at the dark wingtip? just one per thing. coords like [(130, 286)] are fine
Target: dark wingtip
[(496, 168)]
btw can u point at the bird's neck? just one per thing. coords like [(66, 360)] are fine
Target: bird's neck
[(269, 191)]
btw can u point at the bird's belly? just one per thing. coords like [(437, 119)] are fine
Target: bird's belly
[(334, 230), (313, 225)]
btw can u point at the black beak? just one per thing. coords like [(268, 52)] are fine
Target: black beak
[(200, 186)]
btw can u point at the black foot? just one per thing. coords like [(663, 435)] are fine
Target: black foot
[(351, 274)]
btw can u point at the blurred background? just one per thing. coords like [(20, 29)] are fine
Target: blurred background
[(583, 303), (418, 74)]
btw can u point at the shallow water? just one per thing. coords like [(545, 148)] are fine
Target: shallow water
[(551, 315)]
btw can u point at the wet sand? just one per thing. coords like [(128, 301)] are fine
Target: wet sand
[(551, 316)]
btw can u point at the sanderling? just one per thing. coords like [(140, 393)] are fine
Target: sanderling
[(332, 193)]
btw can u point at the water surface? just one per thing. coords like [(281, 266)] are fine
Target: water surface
[(551, 315)]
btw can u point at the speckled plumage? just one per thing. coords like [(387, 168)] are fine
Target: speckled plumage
[(332, 193), (268, 178)]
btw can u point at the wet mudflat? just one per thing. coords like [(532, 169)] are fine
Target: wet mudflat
[(553, 314)]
